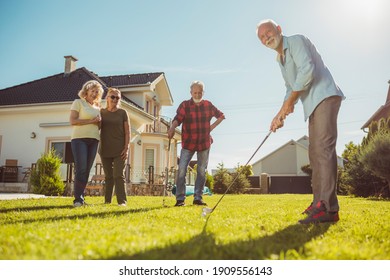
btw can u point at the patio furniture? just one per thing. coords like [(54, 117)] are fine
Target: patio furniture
[(10, 171), (96, 185)]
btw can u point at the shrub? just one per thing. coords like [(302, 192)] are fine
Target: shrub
[(222, 179), (45, 178), (209, 181), (307, 169), (375, 155), (359, 181), (241, 182), (342, 188)]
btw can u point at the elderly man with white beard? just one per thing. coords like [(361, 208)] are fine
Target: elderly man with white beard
[(307, 78)]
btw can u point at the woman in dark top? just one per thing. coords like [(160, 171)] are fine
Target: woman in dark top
[(114, 146)]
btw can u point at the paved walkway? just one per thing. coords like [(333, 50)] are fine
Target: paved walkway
[(8, 196)]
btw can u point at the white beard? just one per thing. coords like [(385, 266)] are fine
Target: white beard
[(196, 101), (273, 44)]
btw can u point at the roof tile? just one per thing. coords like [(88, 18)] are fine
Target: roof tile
[(65, 87)]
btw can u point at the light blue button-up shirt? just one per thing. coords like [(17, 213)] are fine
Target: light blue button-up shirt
[(304, 70)]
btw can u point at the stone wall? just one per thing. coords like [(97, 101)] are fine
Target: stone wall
[(146, 190), (142, 189)]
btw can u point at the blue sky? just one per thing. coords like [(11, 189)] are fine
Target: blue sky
[(213, 41)]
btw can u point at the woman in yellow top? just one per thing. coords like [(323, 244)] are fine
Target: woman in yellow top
[(85, 119), (114, 146)]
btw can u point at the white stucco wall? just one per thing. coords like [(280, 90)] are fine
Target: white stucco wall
[(17, 126)]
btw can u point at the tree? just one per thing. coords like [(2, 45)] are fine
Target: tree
[(356, 179), (209, 178), (307, 169), (246, 170), (209, 181), (375, 155), (222, 179), (45, 178), (241, 182), (341, 187)]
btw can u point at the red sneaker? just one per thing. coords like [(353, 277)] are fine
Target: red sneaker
[(309, 209), (320, 215)]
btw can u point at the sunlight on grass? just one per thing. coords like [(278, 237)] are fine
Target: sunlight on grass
[(242, 227)]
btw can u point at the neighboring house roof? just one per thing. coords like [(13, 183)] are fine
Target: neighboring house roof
[(382, 112), (291, 142), (65, 87), (302, 142)]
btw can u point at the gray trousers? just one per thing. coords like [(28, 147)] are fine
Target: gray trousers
[(322, 152), (114, 175)]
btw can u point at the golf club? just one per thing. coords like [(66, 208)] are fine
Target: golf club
[(166, 172), (207, 210)]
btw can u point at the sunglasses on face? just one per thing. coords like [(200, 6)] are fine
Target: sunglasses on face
[(114, 97)]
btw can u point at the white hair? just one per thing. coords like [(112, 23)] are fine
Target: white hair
[(266, 21), (197, 83)]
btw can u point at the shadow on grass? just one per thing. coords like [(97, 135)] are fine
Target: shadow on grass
[(35, 208), (205, 247), (83, 215), (380, 199)]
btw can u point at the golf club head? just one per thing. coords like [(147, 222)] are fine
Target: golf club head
[(206, 211)]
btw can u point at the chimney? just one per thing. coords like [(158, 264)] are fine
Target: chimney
[(70, 64)]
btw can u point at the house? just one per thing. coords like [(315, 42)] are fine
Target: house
[(287, 160), (382, 113), (34, 117), (283, 166)]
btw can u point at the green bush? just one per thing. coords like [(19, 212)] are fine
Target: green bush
[(307, 169), (222, 179), (45, 178), (241, 183), (342, 188), (375, 155), (357, 179), (209, 181)]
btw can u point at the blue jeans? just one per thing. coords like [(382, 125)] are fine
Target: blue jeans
[(84, 152), (202, 162)]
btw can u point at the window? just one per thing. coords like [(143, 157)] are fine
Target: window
[(149, 158), (147, 106), (63, 150)]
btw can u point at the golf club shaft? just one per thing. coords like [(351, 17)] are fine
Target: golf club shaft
[(167, 170), (239, 173)]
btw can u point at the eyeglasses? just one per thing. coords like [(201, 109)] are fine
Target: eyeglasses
[(114, 97)]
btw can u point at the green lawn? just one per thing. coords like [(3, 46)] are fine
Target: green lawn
[(242, 227)]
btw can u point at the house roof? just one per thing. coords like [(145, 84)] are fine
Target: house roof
[(301, 142), (382, 112), (132, 79), (65, 87)]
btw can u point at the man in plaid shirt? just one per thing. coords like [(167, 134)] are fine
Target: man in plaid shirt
[(195, 115)]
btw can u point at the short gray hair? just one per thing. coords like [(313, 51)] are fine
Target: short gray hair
[(266, 21), (197, 83)]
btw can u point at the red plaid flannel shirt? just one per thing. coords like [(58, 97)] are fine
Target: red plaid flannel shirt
[(195, 120)]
